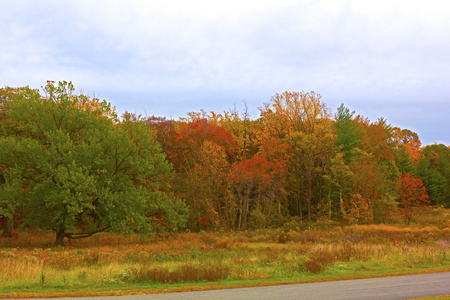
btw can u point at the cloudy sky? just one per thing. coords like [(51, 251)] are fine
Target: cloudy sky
[(380, 58)]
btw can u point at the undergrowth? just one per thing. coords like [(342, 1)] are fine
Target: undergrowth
[(110, 261)]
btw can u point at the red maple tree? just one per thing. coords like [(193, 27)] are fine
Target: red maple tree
[(412, 193)]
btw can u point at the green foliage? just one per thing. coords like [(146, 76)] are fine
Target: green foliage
[(434, 169), (348, 138), (386, 210), (80, 170), (257, 218), (71, 165)]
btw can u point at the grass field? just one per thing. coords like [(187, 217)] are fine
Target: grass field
[(109, 264)]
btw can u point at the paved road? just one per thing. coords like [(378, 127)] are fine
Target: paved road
[(398, 287)]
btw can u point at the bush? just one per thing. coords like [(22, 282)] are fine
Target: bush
[(319, 261), (257, 218)]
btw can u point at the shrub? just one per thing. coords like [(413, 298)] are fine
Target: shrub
[(283, 238), (319, 260), (257, 218)]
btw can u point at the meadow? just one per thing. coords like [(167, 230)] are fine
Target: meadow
[(298, 252)]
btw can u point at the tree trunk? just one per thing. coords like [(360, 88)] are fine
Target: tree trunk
[(300, 212), (329, 203), (241, 208), (60, 234), (309, 195), (7, 227)]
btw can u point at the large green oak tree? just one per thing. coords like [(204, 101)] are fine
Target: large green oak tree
[(73, 167)]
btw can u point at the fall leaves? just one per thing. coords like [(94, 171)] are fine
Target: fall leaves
[(412, 193), (294, 160), (234, 172)]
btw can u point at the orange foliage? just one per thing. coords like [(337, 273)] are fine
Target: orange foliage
[(257, 182), (412, 193), (409, 141), (375, 138), (192, 135), (358, 210)]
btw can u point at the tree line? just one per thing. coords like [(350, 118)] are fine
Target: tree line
[(69, 164)]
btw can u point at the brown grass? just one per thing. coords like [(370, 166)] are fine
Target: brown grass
[(111, 260), (185, 273)]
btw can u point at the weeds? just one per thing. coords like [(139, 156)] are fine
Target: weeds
[(111, 261), (188, 272)]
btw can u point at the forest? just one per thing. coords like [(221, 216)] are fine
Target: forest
[(69, 164)]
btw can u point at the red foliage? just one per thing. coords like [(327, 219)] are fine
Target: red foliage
[(412, 193), (196, 132), (204, 221), (190, 137), (258, 168)]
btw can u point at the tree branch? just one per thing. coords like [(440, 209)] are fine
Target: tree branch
[(81, 235)]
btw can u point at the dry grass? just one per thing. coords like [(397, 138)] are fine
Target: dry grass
[(108, 260), (16, 267), (188, 272)]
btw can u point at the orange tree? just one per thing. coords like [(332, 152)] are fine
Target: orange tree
[(375, 170), (201, 151), (301, 121), (408, 148), (258, 187)]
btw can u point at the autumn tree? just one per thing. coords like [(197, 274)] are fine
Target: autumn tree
[(258, 185), (190, 137), (412, 193), (407, 149), (208, 192), (375, 172), (376, 138), (77, 170), (244, 133), (338, 179), (302, 121), (310, 155), (201, 154)]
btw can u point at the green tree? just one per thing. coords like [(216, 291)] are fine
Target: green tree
[(7, 94), (78, 170), (348, 137), (434, 169)]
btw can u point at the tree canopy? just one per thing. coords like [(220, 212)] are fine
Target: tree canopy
[(69, 164), (74, 168)]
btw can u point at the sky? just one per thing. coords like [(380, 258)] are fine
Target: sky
[(380, 58)]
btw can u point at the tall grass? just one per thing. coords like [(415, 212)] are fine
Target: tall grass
[(15, 267), (112, 261)]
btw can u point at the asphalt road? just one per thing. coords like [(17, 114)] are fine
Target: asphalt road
[(398, 287)]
